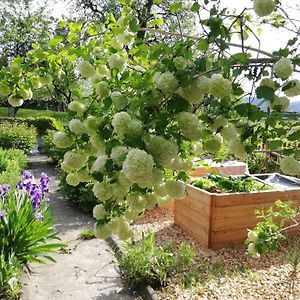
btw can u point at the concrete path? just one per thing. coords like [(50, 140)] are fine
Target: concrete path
[(87, 270)]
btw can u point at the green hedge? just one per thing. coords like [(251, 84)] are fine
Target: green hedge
[(17, 136), (42, 124), (12, 163)]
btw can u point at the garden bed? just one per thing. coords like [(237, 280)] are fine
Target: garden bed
[(223, 273), (218, 219)]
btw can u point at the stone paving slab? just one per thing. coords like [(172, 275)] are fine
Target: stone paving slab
[(87, 270)]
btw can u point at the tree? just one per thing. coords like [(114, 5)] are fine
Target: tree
[(143, 110)]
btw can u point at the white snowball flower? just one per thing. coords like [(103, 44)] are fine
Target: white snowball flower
[(213, 144), (293, 88), (166, 82), (124, 125), (4, 90), (116, 61), (77, 126), (263, 7), (188, 124), (279, 104), (14, 101), (75, 160), (219, 122), (290, 166), (102, 191), (229, 133), (86, 69), (268, 82), (238, 149), (77, 107), (192, 93), (119, 100), (180, 62), (252, 236), (175, 189), (118, 154), (203, 84), (103, 231), (99, 164), (102, 89), (138, 166), (99, 212), (62, 140), (219, 86), (163, 151), (283, 68), (72, 179)]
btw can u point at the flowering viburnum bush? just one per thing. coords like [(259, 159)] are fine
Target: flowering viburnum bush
[(144, 105)]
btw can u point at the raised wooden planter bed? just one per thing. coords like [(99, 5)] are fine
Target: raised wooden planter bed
[(222, 220)]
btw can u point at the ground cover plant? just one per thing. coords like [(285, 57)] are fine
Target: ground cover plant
[(217, 183), (26, 230), (144, 102)]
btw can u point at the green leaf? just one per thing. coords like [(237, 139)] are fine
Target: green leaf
[(202, 44), (175, 7), (55, 41), (265, 92), (273, 145), (134, 26), (195, 7)]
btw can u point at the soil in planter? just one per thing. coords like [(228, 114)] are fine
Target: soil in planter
[(217, 183)]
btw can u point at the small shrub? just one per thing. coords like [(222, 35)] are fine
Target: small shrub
[(146, 263), (87, 234), (17, 136), (10, 270), (12, 163), (41, 124)]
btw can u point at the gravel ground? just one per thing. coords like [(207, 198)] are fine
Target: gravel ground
[(225, 273)]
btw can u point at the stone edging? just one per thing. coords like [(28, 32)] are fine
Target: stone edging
[(147, 292)]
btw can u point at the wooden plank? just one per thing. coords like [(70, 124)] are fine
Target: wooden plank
[(255, 197)]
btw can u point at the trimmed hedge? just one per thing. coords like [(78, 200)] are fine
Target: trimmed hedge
[(42, 124), (17, 136), (12, 163)]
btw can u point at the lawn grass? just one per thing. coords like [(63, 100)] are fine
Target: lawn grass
[(25, 113)]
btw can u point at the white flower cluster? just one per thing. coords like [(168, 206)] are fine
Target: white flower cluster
[(72, 179), (77, 107), (102, 191), (118, 154), (290, 166), (62, 140), (283, 68), (180, 62), (74, 160), (219, 122), (213, 144), (238, 149), (102, 89), (219, 86), (252, 238), (203, 84), (77, 127), (4, 90), (279, 104), (125, 125), (263, 7), (138, 167), (99, 212), (192, 93), (92, 123), (175, 189), (15, 101), (103, 71), (268, 82), (119, 100), (166, 82), (86, 69), (229, 133), (25, 93), (99, 164), (163, 151), (188, 124), (116, 61), (294, 90)]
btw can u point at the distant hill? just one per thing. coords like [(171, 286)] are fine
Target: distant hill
[(293, 107)]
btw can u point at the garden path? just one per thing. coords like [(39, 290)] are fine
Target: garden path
[(87, 270)]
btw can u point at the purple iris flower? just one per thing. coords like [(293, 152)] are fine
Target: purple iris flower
[(2, 215), (20, 185), (44, 182), (27, 175), (38, 216), (4, 189)]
